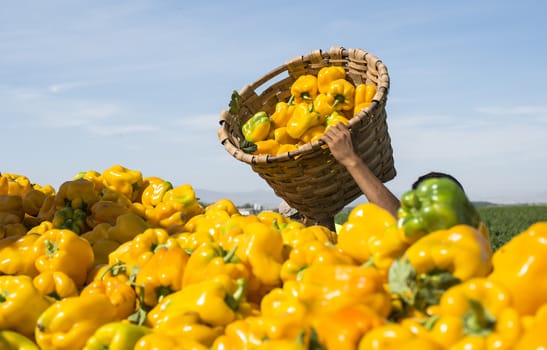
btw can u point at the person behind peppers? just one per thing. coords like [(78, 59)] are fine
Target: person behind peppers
[(338, 138)]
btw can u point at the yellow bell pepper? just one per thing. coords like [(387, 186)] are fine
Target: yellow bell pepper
[(519, 265), (343, 93), (313, 133), (92, 176), (10, 340), (14, 184), (257, 127), (534, 337), (68, 323), (282, 114), (303, 118), (161, 275), (118, 289), (20, 304), (476, 314), (437, 261), (208, 260), (116, 336), (304, 88), (32, 201), (345, 327), (323, 104), (190, 241), (223, 204), (326, 288), (394, 336), (162, 341), (17, 255), (106, 211), (55, 284), (154, 191), (261, 248), (282, 136), (127, 227), (364, 93), (335, 118), (269, 146), (177, 207), (124, 180), (285, 148), (311, 253), (202, 309), (134, 254), (328, 74), (364, 221), (231, 228), (63, 250), (12, 204), (77, 194)]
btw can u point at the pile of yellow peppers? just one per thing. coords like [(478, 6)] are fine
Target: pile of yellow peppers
[(114, 260), (316, 103)]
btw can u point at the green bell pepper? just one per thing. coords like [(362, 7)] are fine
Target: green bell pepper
[(118, 335), (70, 219), (435, 204), (257, 127)]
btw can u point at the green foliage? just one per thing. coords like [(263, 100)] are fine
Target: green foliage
[(506, 221)]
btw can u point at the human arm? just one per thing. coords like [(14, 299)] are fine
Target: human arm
[(338, 138)]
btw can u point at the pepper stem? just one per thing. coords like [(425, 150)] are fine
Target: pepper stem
[(230, 255), (478, 321), (233, 300)]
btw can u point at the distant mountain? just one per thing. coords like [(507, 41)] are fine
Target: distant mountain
[(266, 199)]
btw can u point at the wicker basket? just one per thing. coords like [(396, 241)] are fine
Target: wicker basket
[(310, 179)]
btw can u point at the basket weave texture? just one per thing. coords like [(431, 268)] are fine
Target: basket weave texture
[(310, 179)]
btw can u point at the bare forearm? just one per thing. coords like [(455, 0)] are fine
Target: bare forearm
[(375, 191)]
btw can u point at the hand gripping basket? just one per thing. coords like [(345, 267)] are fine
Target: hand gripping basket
[(310, 179)]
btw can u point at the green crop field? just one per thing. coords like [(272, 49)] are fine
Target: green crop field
[(505, 221)]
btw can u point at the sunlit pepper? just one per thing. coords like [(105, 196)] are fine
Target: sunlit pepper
[(162, 274), (127, 227), (68, 323), (209, 260), (17, 255), (123, 180), (14, 184), (335, 118), (323, 104), (303, 118), (343, 93), (154, 191), (257, 127), (55, 284), (313, 133), (304, 88), (92, 176), (282, 136), (364, 221), (520, 265), (328, 74), (326, 288), (364, 93), (118, 290), (311, 253), (20, 304), (10, 340), (344, 328), (158, 340), (476, 314), (282, 114), (261, 247), (269, 146), (116, 336), (534, 337), (394, 336), (63, 250), (438, 261), (210, 304)]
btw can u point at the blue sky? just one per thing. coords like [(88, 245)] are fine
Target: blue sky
[(89, 84)]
